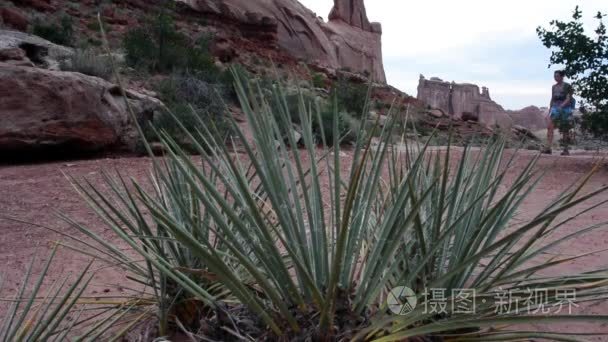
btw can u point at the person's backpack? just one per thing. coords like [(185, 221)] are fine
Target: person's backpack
[(573, 104)]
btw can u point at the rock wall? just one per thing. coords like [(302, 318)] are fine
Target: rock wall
[(283, 31), (468, 102), (347, 41), (45, 110), (352, 13), (531, 117), (35, 50), (436, 94)]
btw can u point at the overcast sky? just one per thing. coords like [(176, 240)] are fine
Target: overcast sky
[(490, 43)]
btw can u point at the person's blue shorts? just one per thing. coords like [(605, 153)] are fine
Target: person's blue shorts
[(561, 113)]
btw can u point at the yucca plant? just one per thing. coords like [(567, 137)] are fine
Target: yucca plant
[(61, 311), (173, 277), (264, 241)]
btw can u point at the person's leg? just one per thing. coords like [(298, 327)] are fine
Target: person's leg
[(567, 133), (565, 141), (550, 131)]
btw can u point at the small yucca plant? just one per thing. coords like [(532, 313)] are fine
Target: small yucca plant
[(59, 311), (274, 242), (89, 62)]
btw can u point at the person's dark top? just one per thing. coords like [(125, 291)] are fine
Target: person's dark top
[(560, 92)]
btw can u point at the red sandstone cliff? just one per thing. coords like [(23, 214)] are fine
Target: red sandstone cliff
[(276, 29)]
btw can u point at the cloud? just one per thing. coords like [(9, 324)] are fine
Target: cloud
[(414, 28), (492, 43)]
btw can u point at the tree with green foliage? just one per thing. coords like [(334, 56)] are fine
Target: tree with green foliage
[(62, 33), (585, 61), (351, 96), (158, 46), (195, 103)]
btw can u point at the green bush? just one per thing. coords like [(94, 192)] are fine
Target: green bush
[(346, 94), (62, 33), (323, 128), (94, 26), (194, 102), (318, 80), (159, 47), (595, 123), (94, 42), (351, 97), (90, 63)]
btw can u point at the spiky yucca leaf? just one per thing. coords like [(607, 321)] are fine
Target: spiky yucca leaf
[(53, 313)]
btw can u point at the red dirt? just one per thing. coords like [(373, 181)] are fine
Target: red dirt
[(34, 193)]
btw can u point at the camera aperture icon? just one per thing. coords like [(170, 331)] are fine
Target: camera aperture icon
[(401, 300)]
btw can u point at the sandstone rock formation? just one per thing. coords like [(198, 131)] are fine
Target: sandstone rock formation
[(436, 94), (351, 12), (531, 117), (467, 102), (13, 17), (42, 107), (45, 110), (283, 31), (348, 40), (38, 51)]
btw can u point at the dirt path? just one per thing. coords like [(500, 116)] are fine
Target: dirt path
[(34, 193)]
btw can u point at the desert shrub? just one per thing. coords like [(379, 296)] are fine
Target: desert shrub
[(159, 47), (194, 102), (595, 122), (62, 33), (324, 129), (322, 121), (94, 26), (94, 42), (224, 79), (90, 63), (140, 49), (351, 97), (318, 80)]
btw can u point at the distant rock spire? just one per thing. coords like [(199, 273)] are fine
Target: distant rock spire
[(352, 12), (485, 92)]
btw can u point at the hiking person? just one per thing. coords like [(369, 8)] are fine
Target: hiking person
[(561, 110)]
